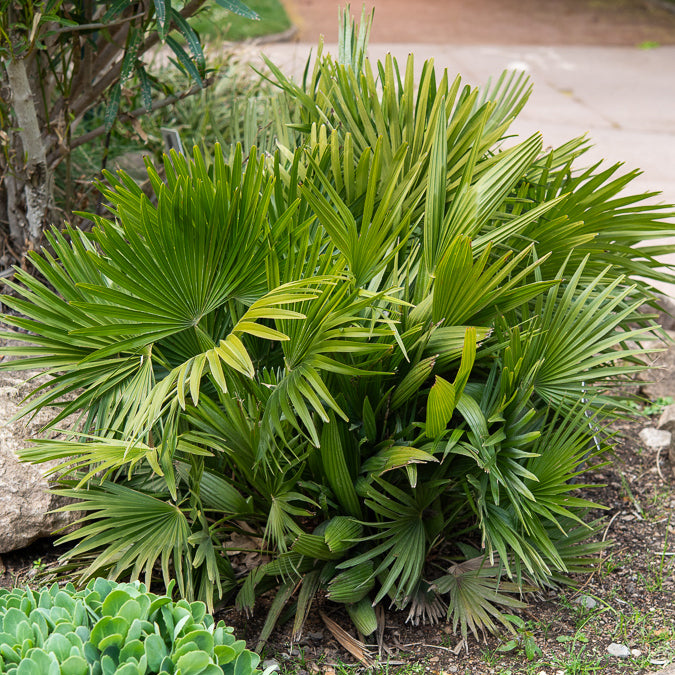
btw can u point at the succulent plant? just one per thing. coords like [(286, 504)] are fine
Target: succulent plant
[(113, 628)]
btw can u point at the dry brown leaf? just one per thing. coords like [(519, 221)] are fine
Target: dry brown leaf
[(355, 647)]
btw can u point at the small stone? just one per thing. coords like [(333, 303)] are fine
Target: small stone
[(655, 438), (271, 664), (618, 650), (636, 653), (586, 601), (452, 669)]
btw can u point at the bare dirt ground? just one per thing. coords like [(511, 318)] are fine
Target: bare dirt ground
[(497, 22)]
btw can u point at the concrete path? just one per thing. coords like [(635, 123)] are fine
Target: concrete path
[(622, 97)]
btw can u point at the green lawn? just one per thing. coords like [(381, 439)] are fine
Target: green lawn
[(216, 23)]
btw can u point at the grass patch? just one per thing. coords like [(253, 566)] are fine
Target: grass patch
[(216, 23)]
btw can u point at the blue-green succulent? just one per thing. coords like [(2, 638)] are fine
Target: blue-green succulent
[(114, 629)]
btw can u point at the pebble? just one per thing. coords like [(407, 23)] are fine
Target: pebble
[(636, 653), (585, 601), (655, 438), (273, 664), (618, 650)]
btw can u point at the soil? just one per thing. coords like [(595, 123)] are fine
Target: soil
[(632, 587), (497, 22)]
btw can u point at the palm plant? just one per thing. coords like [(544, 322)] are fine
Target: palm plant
[(375, 352)]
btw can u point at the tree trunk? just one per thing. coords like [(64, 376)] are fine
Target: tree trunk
[(31, 182)]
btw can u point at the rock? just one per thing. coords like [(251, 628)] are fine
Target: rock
[(24, 501), (666, 314), (635, 653), (670, 670), (618, 650), (660, 381), (667, 418), (655, 438), (667, 422), (270, 665), (586, 601)]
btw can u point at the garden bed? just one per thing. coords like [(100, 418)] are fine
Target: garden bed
[(632, 589)]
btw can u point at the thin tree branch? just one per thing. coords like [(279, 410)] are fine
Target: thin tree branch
[(95, 26), (83, 103), (162, 103)]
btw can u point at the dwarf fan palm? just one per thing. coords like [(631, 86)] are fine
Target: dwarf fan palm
[(380, 344)]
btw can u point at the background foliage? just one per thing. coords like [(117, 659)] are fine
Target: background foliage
[(381, 351), (65, 73)]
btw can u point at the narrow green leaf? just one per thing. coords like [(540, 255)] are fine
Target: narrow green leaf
[(191, 38), (184, 59), (238, 7), (162, 11), (146, 89), (112, 107)]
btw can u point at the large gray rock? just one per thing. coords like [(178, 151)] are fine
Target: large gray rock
[(24, 499)]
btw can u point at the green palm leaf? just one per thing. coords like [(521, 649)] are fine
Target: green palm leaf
[(131, 529)]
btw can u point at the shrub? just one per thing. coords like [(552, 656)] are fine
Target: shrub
[(385, 355), (113, 628), (103, 45)]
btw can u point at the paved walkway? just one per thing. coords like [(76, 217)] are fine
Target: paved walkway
[(623, 97)]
